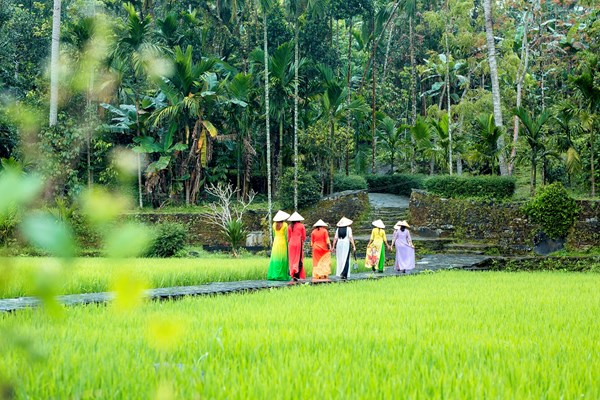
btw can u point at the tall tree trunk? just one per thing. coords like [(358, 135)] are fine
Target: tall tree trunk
[(348, 78), (267, 122), (331, 154), (279, 157), (413, 84), (374, 102), (88, 136), (533, 176), (337, 48), (387, 53), (139, 156), (521, 72), (54, 64), (448, 97), (296, 78), (489, 35), (592, 161)]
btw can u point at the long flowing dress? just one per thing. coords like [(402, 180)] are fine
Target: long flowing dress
[(278, 266), (296, 238), (376, 250), (405, 253), (319, 240), (342, 251)]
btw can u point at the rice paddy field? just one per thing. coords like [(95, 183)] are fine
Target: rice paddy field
[(451, 335), (19, 276)]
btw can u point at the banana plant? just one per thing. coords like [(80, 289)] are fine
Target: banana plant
[(192, 92)]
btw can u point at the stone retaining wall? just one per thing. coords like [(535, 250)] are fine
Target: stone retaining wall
[(351, 204), (503, 224)]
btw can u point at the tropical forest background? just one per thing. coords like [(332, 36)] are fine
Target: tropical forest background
[(320, 95)]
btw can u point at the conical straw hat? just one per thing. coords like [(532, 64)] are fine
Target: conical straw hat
[(281, 216), (403, 223), (378, 224), (296, 217), (344, 222), (320, 223)]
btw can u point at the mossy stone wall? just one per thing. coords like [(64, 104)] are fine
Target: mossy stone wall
[(500, 223), (351, 204)]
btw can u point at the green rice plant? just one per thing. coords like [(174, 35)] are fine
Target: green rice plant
[(88, 275), (456, 335)]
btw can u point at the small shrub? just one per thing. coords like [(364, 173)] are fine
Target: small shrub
[(553, 209), (8, 224), (401, 184), (309, 190), (168, 240), (235, 234), (453, 186), (342, 182)]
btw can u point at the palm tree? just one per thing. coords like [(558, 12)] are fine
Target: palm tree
[(491, 45), (391, 138), (410, 9), (590, 94), (265, 5), (486, 140), (441, 130), (521, 72), (281, 80), (240, 89), (535, 139), (192, 93), (295, 8), (334, 108), (566, 119), (134, 50), (55, 50)]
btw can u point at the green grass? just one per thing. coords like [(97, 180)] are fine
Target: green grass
[(20, 275), (448, 335)]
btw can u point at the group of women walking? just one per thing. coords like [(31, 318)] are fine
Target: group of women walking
[(289, 236)]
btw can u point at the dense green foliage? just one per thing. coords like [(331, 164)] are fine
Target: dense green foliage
[(342, 182), (482, 335), (553, 209), (309, 190), (168, 240), (492, 187), (383, 86), (401, 184)]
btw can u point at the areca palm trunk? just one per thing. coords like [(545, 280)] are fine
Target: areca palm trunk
[(413, 75), (331, 154), (489, 35), (374, 102), (348, 78), (296, 78), (448, 97), (267, 122), (523, 64), (54, 63)]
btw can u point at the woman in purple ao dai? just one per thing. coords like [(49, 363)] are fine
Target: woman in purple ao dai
[(405, 250)]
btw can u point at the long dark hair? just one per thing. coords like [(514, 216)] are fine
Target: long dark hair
[(342, 232)]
